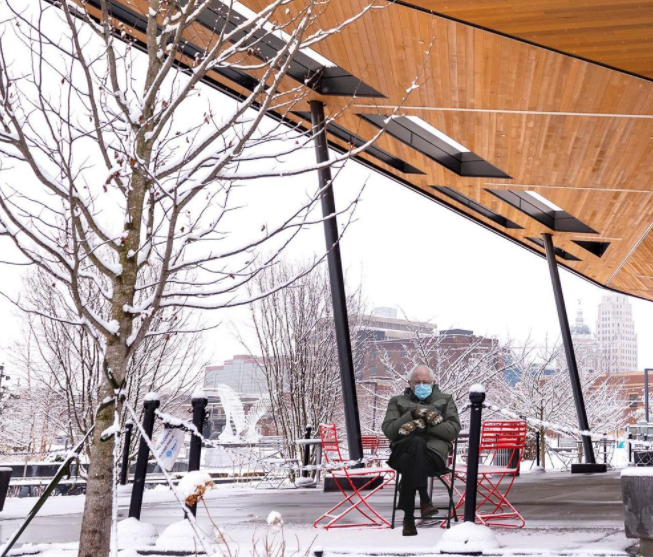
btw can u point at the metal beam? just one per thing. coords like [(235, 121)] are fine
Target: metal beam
[(338, 296), (569, 348), (646, 395)]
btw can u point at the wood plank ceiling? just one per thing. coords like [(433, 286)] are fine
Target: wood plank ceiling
[(576, 132)]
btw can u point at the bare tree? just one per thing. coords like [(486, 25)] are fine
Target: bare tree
[(456, 366), (130, 165), (65, 361), (296, 338), (543, 392)]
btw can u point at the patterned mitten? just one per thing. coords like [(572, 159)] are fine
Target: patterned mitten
[(419, 412), (408, 428), (433, 417)]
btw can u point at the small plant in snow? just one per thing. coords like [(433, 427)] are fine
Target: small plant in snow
[(194, 485)]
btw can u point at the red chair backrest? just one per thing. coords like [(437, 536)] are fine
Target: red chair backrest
[(330, 445), (507, 436), (370, 443)]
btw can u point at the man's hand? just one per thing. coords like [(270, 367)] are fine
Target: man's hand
[(431, 417), (408, 428)]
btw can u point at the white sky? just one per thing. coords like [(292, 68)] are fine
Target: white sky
[(410, 253), (406, 252)]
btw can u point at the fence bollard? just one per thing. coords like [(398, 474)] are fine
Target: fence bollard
[(476, 397), (537, 446), (307, 452), (199, 402), (150, 405), (630, 449), (605, 450), (124, 470)]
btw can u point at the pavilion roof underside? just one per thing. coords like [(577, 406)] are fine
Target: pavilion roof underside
[(524, 118)]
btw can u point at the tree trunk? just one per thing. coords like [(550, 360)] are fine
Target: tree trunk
[(95, 538)]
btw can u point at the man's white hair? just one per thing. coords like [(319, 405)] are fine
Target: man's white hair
[(410, 374)]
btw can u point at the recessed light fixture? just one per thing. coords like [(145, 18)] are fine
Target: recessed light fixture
[(437, 133), (542, 199), (434, 144)]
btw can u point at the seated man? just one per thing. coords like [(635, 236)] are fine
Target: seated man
[(421, 423)]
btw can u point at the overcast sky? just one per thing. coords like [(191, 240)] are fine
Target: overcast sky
[(406, 252), (410, 253)]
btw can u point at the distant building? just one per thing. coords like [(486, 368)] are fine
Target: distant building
[(615, 330), (586, 346), (383, 324), (244, 374), (449, 346), (629, 389)]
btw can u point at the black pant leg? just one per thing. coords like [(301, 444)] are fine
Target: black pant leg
[(411, 459)]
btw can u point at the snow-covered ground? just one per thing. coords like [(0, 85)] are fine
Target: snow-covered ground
[(364, 542), (568, 514)]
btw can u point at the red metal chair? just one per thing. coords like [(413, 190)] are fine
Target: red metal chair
[(500, 453), (345, 479)]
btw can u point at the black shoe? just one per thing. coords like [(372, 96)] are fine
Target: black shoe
[(428, 510), (409, 528)]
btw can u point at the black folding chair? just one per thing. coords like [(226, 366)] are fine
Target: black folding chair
[(447, 478)]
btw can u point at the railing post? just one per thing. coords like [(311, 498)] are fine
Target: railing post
[(124, 470), (537, 446), (605, 450), (150, 405), (199, 402), (630, 448), (307, 452), (476, 397)]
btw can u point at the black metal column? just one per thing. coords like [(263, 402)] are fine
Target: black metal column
[(569, 348), (646, 395), (471, 484), (195, 456), (337, 282), (138, 487)]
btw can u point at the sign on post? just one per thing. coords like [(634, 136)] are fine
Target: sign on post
[(168, 446)]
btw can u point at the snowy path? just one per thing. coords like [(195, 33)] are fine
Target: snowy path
[(567, 512)]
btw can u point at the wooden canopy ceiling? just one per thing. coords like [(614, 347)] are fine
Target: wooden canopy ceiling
[(549, 120)]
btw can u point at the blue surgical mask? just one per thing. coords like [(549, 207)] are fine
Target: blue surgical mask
[(423, 391)]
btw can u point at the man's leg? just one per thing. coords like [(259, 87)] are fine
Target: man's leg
[(411, 460), (435, 466)]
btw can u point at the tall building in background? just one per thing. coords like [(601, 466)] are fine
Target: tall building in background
[(244, 374), (615, 330)]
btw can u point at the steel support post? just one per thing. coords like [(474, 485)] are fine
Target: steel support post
[(576, 388), (646, 396), (195, 456), (307, 452), (336, 280), (149, 407), (471, 483), (124, 470)]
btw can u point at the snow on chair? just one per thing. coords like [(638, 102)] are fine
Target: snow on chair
[(356, 480), (500, 452)]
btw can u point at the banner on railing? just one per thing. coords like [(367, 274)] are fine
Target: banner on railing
[(168, 445)]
